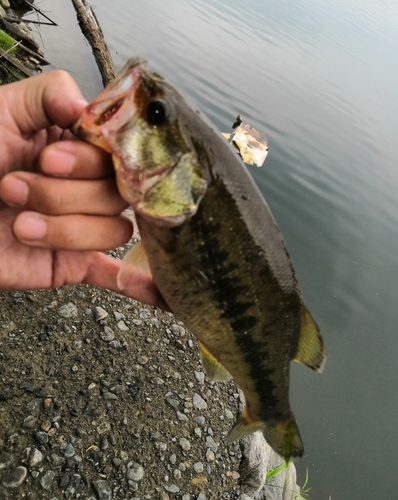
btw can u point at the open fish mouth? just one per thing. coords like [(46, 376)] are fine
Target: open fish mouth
[(113, 108)]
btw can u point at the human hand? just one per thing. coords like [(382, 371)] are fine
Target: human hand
[(53, 228)]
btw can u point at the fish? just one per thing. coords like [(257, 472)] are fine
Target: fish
[(211, 244)]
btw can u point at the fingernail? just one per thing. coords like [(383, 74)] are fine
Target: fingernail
[(30, 226), (14, 192), (59, 162)]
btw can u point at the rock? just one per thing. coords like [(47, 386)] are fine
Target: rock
[(100, 313), (200, 420), (122, 326), (5, 460), (2, 12), (67, 450), (15, 477), (185, 444), (108, 396), (211, 443), (229, 414), (108, 334), (103, 490), (254, 464), (135, 472), (182, 417), (35, 457), (210, 457), (30, 422), (47, 479), (198, 467), (200, 377), (142, 360), (41, 437), (198, 402), (201, 496), (70, 491), (5, 4), (172, 488), (68, 311)]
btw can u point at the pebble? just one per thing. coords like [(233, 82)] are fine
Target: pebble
[(210, 457), (229, 414), (116, 344), (198, 467), (57, 460), (177, 474), (201, 496), (109, 396), (42, 437), (103, 490), (182, 416), (5, 460), (185, 444), (73, 484), (173, 488), (187, 496), (122, 326), (199, 420), (108, 334), (67, 450), (173, 458), (100, 313), (68, 311), (135, 472), (15, 477), (30, 422), (142, 360), (200, 377), (35, 457), (198, 432), (198, 402), (47, 479), (118, 315), (211, 443)]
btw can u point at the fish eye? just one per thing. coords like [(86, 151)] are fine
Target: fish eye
[(156, 113)]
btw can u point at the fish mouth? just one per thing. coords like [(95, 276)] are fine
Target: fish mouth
[(112, 108)]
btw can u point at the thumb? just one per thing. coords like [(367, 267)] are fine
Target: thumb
[(41, 101)]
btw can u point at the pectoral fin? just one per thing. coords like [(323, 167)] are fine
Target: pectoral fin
[(213, 368), (134, 268), (310, 351)]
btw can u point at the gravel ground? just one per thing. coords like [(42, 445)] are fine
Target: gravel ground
[(103, 397)]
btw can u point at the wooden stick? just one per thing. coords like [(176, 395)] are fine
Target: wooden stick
[(41, 13), (15, 63), (92, 31)]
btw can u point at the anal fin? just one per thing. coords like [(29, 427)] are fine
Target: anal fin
[(212, 367), (310, 351)]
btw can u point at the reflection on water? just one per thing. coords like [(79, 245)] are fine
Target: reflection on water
[(321, 79)]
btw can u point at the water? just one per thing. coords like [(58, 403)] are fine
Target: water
[(321, 79)]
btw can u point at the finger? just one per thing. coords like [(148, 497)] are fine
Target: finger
[(72, 232), (75, 159), (50, 195), (103, 273), (49, 99)]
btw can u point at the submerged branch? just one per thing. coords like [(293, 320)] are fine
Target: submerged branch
[(93, 32)]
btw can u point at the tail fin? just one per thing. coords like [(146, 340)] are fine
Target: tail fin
[(284, 437)]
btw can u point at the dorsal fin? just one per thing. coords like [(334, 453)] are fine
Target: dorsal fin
[(212, 367), (310, 351)]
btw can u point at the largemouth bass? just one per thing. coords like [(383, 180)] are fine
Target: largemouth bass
[(211, 243)]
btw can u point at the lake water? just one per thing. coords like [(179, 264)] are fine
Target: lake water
[(321, 79)]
